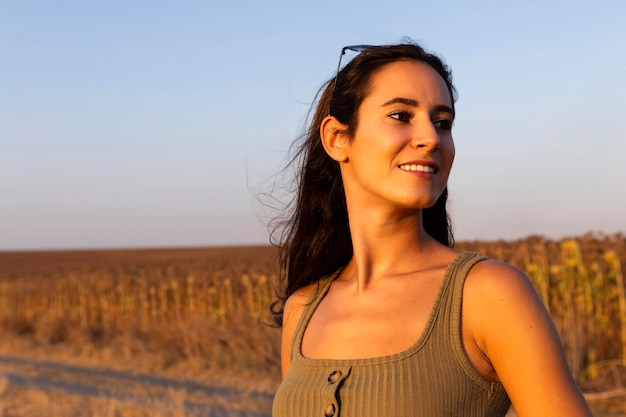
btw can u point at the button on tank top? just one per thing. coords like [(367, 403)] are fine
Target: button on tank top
[(432, 378)]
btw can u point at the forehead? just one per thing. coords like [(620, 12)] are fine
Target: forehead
[(409, 79)]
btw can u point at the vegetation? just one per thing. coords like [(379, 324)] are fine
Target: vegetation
[(208, 308), (205, 306)]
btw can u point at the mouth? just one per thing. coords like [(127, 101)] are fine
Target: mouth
[(419, 167)]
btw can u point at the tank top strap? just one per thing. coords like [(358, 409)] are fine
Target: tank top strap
[(453, 313), (316, 297), (459, 273)]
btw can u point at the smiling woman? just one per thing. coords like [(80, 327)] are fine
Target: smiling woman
[(396, 136), (380, 316)]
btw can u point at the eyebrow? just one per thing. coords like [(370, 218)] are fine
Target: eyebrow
[(442, 108)]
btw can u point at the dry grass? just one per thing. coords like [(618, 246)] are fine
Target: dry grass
[(205, 308)]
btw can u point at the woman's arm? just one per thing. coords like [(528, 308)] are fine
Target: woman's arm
[(514, 332)]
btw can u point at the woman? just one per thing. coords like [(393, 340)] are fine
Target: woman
[(380, 316)]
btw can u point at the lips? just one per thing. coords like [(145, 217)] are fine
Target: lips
[(420, 166)]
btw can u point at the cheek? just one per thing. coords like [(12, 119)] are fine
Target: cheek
[(447, 156), (448, 150)]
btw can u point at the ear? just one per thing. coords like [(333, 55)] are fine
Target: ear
[(334, 138)]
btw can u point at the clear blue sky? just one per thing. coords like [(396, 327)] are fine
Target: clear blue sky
[(153, 123)]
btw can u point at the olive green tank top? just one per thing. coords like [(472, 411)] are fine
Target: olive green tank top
[(432, 378)]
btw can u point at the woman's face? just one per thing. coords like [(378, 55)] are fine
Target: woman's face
[(402, 150)]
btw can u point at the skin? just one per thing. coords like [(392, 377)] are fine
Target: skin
[(381, 301)]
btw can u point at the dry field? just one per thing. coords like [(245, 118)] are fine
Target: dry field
[(193, 314), (199, 315)]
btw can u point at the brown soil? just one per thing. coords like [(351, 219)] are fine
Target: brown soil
[(13, 263)]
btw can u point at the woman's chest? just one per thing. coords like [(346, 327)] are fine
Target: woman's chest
[(379, 324)]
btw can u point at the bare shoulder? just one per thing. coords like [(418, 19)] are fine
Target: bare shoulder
[(499, 298), (296, 303), (492, 277), (294, 306), (511, 327)]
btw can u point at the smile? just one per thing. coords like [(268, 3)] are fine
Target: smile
[(416, 167)]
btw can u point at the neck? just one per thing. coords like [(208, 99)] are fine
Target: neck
[(386, 244)]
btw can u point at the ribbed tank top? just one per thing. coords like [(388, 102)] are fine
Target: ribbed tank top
[(432, 378)]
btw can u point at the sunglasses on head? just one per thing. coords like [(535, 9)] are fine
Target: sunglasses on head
[(355, 48)]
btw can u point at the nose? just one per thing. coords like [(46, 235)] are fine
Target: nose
[(426, 136)]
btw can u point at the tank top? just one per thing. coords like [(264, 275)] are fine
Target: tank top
[(432, 378)]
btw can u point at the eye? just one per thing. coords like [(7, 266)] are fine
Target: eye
[(443, 124), (401, 116)]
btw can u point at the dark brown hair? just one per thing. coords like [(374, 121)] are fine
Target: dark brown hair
[(314, 237)]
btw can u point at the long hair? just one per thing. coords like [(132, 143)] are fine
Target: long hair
[(314, 238)]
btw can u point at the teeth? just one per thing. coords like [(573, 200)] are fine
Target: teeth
[(420, 168)]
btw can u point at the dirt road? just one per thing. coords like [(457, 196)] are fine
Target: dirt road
[(196, 398)]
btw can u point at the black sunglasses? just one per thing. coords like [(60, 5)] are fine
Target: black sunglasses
[(355, 48)]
